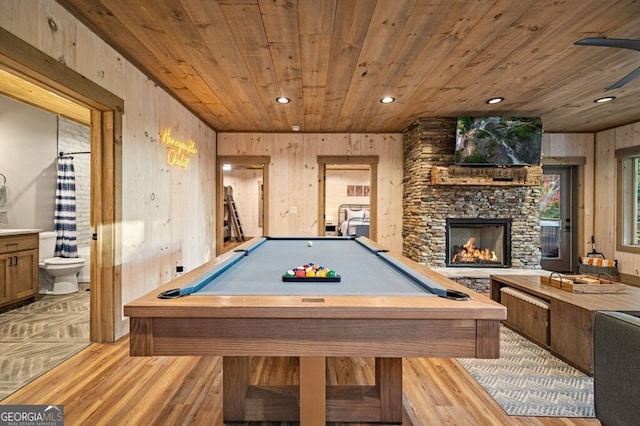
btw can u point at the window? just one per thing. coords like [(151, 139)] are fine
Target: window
[(628, 238), (550, 215)]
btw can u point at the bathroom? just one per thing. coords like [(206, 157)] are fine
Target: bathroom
[(30, 142), (37, 336)]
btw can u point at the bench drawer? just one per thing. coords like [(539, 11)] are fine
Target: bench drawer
[(527, 315)]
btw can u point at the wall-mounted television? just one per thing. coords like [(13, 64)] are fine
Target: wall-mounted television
[(498, 141)]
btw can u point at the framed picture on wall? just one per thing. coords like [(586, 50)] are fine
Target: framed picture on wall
[(351, 190), (366, 190)]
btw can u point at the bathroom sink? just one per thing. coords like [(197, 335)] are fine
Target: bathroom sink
[(18, 231)]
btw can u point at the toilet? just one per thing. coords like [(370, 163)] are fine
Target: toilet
[(58, 275)]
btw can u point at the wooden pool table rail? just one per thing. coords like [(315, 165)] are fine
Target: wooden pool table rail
[(460, 338)]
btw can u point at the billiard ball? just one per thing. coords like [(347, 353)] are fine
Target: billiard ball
[(310, 243)]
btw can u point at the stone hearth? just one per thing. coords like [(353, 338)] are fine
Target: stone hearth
[(479, 279)]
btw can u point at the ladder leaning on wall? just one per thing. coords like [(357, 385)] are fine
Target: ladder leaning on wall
[(232, 211)]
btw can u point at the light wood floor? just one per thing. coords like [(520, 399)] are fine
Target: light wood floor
[(103, 385)]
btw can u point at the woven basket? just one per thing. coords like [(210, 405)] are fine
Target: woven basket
[(596, 270)]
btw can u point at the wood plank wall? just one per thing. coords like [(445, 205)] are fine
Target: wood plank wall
[(168, 212), (294, 176), (598, 192), (606, 193)]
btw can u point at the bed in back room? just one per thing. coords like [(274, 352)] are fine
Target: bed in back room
[(353, 219)]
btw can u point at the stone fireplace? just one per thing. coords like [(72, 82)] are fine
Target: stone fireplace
[(435, 190), (478, 242)]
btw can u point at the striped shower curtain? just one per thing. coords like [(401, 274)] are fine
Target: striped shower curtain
[(65, 216)]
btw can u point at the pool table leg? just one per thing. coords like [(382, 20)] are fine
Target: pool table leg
[(313, 395), (235, 383), (389, 384)]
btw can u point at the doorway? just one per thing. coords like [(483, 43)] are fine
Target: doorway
[(347, 195), (61, 90), (558, 219), (241, 193)]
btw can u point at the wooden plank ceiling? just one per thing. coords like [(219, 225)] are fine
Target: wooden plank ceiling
[(228, 60)]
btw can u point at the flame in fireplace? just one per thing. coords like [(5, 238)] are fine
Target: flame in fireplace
[(472, 254)]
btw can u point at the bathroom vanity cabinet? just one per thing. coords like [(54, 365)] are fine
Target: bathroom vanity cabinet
[(18, 268)]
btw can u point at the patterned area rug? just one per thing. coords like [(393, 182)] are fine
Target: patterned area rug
[(528, 381)]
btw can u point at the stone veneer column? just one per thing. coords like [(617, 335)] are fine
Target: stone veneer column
[(426, 143)]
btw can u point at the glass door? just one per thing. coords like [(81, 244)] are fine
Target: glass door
[(556, 219)]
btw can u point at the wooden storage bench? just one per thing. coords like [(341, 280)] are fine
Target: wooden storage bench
[(526, 314)]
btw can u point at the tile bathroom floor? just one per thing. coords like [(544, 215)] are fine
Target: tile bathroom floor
[(37, 337)]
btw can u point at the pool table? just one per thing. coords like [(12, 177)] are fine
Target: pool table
[(384, 306)]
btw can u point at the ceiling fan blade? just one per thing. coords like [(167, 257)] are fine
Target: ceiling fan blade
[(610, 42), (620, 43), (633, 74)]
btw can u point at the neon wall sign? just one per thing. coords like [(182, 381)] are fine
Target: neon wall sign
[(178, 152)]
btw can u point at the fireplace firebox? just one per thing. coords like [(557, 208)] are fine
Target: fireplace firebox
[(478, 242)]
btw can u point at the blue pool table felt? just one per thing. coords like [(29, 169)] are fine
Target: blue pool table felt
[(363, 271)]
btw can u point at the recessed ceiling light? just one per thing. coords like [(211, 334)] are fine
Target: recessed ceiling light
[(282, 100), (387, 100), (495, 100), (226, 167), (605, 99)]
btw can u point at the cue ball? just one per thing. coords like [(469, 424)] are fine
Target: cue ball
[(309, 243)]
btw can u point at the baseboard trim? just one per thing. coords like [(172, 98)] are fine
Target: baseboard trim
[(629, 279)]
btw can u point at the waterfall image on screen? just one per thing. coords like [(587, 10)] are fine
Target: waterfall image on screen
[(498, 140)]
